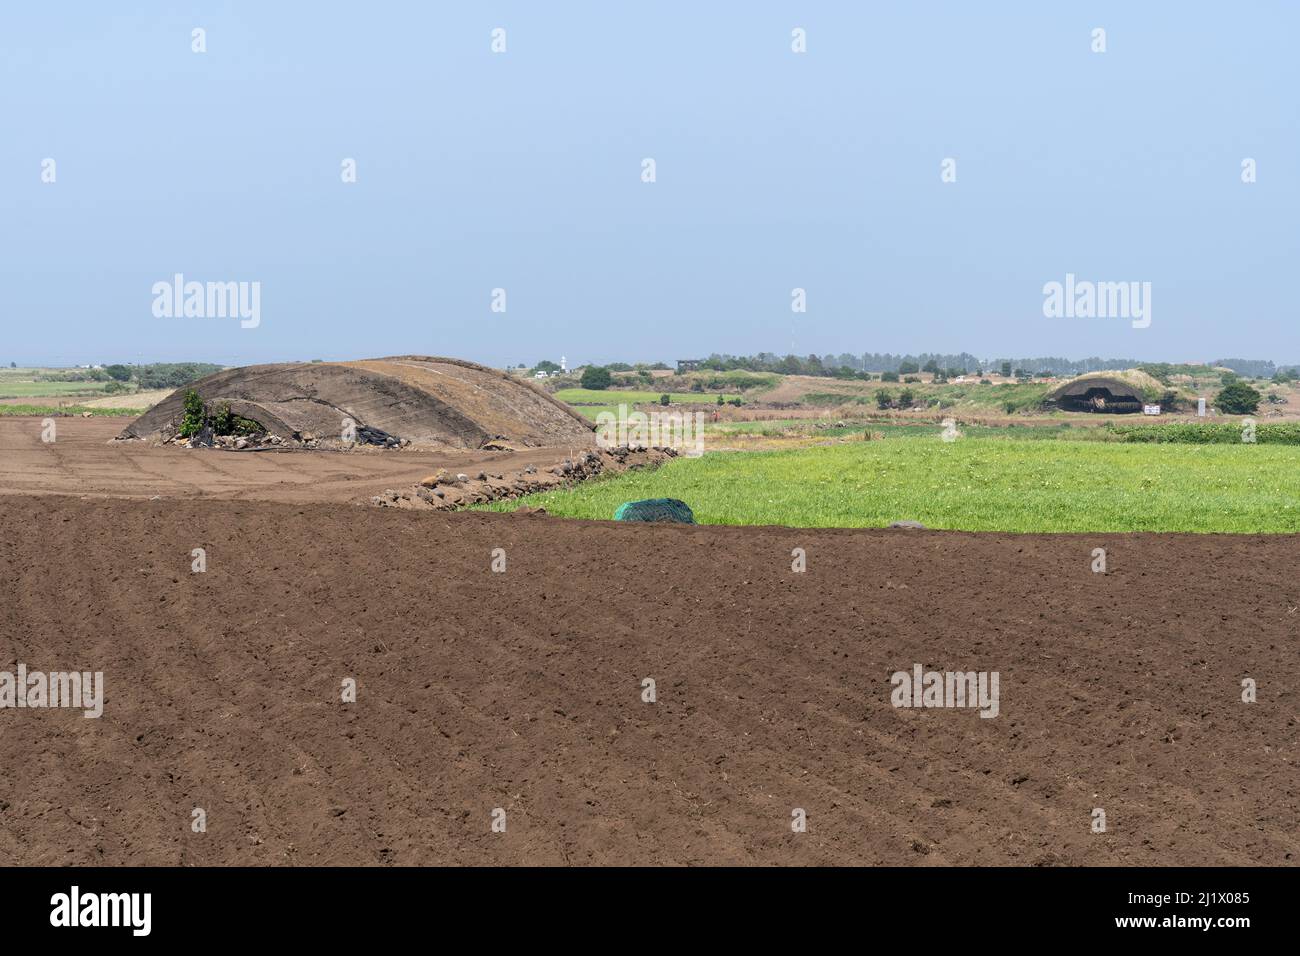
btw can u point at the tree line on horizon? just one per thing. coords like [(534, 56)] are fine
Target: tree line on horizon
[(849, 365), (961, 363), (151, 376)]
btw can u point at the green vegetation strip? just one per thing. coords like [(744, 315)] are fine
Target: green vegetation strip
[(11, 389), (974, 484), (51, 411), (807, 428), (575, 396), (737, 379), (1209, 433)]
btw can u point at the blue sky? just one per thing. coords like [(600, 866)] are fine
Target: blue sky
[(522, 171)]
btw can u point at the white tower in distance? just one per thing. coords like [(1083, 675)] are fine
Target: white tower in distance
[(564, 364)]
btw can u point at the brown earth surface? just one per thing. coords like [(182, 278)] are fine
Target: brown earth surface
[(522, 690), (83, 460)]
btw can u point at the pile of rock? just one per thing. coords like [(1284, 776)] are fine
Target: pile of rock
[(240, 442), (445, 491), (256, 440), (205, 439)]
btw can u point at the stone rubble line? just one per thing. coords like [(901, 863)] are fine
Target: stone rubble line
[(446, 491)]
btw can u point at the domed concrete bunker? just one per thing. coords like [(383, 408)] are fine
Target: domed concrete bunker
[(1122, 393), (426, 400)]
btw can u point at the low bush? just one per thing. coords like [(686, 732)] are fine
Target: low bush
[(194, 416)]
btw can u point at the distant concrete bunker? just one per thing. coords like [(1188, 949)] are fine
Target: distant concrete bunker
[(1113, 393), (430, 401)]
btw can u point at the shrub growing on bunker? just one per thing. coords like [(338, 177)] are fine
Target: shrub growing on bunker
[(192, 420)]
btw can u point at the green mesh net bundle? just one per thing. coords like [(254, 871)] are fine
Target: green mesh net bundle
[(655, 509)]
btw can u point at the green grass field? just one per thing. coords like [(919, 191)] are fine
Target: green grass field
[(18, 389), (616, 397), (43, 410), (975, 484), (608, 401), (1001, 397), (804, 426)]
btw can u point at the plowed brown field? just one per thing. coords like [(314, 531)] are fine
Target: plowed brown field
[(522, 690)]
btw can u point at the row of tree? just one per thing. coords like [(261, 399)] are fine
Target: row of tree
[(154, 375), (1254, 368), (847, 364), (961, 363)]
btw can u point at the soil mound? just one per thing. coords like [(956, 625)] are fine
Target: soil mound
[(430, 401)]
